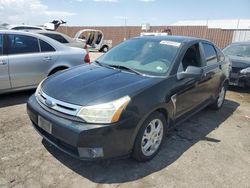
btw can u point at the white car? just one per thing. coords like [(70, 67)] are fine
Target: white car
[(27, 58), (62, 38), (94, 40)]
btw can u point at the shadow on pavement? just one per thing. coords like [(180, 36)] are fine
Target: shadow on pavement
[(15, 98), (179, 140)]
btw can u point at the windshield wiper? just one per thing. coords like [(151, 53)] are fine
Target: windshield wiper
[(102, 64), (127, 68)]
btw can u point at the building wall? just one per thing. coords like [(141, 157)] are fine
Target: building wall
[(117, 33)]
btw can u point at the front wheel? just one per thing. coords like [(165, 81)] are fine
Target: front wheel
[(149, 137), (217, 104)]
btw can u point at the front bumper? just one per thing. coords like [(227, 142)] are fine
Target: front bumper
[(238, 79), (82, 140)]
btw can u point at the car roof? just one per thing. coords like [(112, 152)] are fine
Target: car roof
[(52, 42), (43, 31), (241, 42), (175, 38), (13, 26), (70, 39)]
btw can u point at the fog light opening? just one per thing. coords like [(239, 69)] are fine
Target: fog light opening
[(90, 152)]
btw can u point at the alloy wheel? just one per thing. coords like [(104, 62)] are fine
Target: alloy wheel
[(152, 137), (221, 96)]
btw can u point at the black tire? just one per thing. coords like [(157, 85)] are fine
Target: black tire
[(137, 150), (217, 104), (105, 49)]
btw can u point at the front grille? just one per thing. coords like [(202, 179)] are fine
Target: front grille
[(58, 108), (62, 115)]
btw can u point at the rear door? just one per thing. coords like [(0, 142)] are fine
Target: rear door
[(212, 69), (27, 66), (4, 67)]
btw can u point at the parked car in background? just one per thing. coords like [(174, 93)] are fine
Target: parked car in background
[(62, 38), (239, 53), (27, 58), (94, 40), (21, 27), (125, 102)]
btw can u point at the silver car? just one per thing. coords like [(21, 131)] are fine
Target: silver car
[(62, 38), (27, 58)]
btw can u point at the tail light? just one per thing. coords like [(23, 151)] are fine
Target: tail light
[(87, 58)]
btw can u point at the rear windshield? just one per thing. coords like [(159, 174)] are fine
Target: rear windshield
[(56, 37)]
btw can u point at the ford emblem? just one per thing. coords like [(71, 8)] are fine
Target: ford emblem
[(49, 103)]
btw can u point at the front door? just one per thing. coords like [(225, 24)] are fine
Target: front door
[(190, 93)]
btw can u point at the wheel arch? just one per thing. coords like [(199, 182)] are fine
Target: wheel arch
[(162, 109), (57, 68)]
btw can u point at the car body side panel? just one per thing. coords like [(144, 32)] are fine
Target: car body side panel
[(28, 69), (151, 100)]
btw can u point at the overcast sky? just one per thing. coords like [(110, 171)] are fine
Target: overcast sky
[(114, 12)]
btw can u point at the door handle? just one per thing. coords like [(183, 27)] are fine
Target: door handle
[(47, 58), (3, 63)]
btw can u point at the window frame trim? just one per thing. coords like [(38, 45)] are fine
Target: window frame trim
[(204, 55)]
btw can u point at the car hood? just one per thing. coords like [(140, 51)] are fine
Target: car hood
[(240, 62), (92, 84)]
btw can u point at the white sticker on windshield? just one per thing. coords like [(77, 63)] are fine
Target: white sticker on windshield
[(170, 43)]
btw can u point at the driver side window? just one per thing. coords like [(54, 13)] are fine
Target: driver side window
[(192, 57)]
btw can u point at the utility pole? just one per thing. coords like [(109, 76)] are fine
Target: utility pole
[(125, 28)]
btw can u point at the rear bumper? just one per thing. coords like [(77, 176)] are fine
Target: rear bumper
[(84, 141)]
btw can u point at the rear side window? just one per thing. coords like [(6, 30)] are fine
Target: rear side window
[(45, 47), (1, 44), (210, 54), (56, 37), (21, 44)]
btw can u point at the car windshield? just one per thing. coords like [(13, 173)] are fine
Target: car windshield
[(147, 56), (238, 50)]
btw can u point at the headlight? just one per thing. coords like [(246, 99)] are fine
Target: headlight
[(104, 113), (245, 71), (38, 89)]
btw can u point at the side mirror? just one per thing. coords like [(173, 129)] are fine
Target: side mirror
[(191, 72)]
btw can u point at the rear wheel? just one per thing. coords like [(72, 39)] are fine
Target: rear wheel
[(217, 104), (150, 137), (105, 49)]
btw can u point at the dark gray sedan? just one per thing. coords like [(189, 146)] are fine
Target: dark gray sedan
[(125, 102), (239, 53)]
